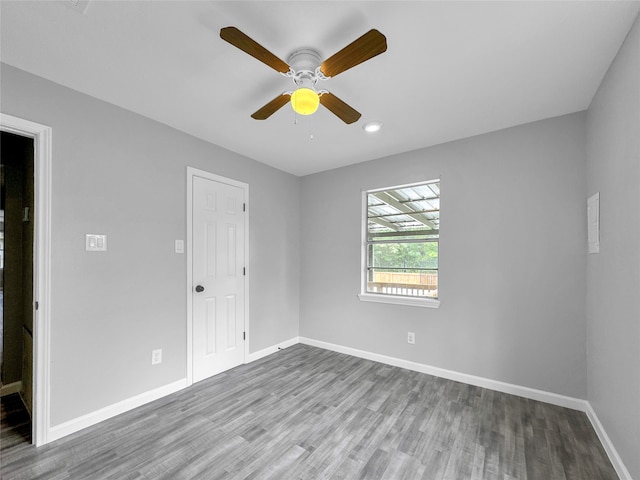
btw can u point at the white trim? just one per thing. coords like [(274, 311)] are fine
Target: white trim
[(265, 352), (607, 444), (110, 411), (189, 257), (194, 172), (42, 136), (403, 185), (93, 418), (10, 388), (400, 300), (526, 392)]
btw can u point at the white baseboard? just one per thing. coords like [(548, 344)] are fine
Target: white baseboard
[(77, 424), (616, 461), (105, 413), (10, 388), (90, 419), (526, 392), (110, 411), (273, 349)]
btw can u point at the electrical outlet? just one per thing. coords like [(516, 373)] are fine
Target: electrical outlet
[(411, 338), (156, 356)]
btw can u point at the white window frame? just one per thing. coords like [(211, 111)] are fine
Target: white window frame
[(366, 296)]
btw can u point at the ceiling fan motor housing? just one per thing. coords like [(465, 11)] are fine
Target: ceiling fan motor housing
[(305, 65)]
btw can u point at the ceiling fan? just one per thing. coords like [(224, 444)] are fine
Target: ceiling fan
[(306, 68)]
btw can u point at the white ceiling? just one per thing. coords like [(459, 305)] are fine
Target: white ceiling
[(452, 69)]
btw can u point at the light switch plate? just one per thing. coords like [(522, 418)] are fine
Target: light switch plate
[(95, 243), (179, 246)]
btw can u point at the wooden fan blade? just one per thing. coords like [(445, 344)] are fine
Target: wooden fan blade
[(367, 46), (340, 109), (272, 107), (238, 39)]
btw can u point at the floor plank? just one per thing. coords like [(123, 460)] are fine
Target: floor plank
[(306, 413)]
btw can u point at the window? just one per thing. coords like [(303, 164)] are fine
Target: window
[(400, 246)]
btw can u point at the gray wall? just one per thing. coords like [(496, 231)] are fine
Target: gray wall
[(613, 275), (120, 174), (516, 283), (512, 258)]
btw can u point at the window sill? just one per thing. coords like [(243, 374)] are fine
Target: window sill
[(399, 300)]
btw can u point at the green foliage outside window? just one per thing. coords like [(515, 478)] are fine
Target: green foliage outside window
[(406, 257)]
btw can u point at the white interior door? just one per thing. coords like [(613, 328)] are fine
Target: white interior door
[(218, 286)]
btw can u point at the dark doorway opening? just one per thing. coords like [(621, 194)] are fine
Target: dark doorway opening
[(16, 268)]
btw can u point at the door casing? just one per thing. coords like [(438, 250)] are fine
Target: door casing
[(41, 135), (193, 172)]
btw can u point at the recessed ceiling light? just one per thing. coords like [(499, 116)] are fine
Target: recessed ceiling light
[(372, 127)]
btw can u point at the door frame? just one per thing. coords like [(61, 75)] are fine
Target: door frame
[(191, 173), (41, 135)]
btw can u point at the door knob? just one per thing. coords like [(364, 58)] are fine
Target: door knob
[(199, 288)]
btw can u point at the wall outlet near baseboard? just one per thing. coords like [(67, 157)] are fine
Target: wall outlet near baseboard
[(411, 338), (156, 356)]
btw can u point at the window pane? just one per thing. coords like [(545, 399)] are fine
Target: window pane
[(403, 269), (404, 256), (403, 229)]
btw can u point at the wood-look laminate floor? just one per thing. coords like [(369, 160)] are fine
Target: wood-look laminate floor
[(307, 413)]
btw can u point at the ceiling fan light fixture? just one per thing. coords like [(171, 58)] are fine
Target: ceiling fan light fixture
[(305, 101)]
